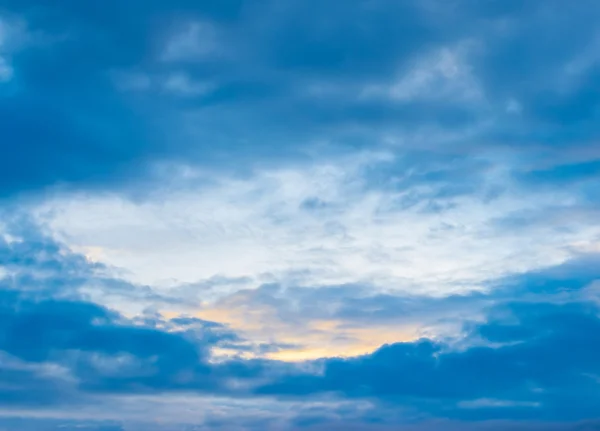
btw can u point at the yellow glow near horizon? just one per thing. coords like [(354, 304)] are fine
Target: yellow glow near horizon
[(316, 339)]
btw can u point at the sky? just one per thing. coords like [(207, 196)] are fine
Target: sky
[(299, 215)]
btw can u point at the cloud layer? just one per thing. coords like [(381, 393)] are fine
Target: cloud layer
[(295, 215)]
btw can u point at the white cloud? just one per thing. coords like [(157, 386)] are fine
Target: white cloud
[(181, 84), (318, 224), (442, 73), (15, 35), (483, 403), (195, 41), (177, 83), (6, 69)]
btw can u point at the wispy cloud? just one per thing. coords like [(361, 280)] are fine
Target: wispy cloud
[(442, 74), (329, 223), (193, 42), (285, 215)]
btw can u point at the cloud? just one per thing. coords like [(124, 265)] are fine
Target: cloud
[(194, 42), (443, 74), (180, 84), (507, 363), (6, 71), (332, 257), (237, 214), (528, 375), (100, 353), (105, 138), (11, 33), (378, 219)]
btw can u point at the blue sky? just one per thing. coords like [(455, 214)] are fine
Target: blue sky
[(291, 215)]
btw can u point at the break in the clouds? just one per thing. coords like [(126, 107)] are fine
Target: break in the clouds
[(288, 215)]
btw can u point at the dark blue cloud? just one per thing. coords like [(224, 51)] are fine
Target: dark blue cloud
[(29, 388), (533, 357), (44, 319), (529, 58), (146, 358), (64, 120), (541, 362)]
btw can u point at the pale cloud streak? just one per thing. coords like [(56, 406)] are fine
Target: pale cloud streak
[(322, 224), (443, 73), (192, 42), (181, 84), (8, 32), (217, 240)]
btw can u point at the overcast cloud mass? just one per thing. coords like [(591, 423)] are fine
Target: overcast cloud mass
[(289, 215)]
